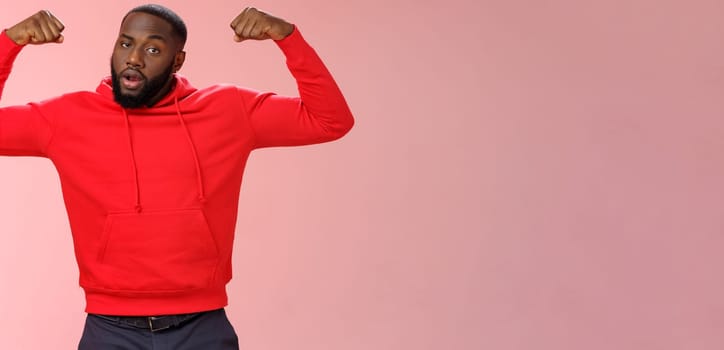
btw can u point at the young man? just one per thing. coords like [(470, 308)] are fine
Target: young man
[(151, 169)]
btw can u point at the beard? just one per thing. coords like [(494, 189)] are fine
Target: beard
[(149, 90)]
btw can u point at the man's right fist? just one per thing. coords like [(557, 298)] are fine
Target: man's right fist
[(40, 28)]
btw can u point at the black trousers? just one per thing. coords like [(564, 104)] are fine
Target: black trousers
[(207, 331)]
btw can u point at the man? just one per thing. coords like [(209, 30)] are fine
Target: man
[(151, 169)]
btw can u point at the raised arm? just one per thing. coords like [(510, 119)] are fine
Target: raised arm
[(319, 114), (23, 129)]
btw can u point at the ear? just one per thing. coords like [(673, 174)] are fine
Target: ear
[(178, 61)]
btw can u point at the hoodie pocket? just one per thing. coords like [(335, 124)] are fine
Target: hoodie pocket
[(157, 251)]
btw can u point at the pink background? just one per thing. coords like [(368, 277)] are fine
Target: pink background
[(522, 175)]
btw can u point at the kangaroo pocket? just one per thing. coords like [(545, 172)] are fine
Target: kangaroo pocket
[(156, 251)]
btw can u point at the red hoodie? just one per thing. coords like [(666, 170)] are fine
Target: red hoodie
[(152, 193)]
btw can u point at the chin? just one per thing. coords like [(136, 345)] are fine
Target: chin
[(129, 94)]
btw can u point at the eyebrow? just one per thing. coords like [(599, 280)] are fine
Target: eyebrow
[(152, 36)]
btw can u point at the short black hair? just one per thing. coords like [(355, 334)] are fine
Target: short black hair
[(178, 25)]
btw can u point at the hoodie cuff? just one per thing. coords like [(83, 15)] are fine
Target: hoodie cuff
[(8, 50), (296, 49), (291, 40)]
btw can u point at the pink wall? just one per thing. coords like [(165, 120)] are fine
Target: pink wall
[(522, 175)]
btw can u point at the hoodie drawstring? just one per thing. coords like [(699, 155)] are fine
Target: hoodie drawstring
[(137, 207), (199, 179), (197, 164)]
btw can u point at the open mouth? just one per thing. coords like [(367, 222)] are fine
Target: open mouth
[(132, 79)]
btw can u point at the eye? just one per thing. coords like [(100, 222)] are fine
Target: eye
[(125, 45), (153, 50)]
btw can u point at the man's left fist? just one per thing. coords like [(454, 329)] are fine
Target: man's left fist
[(257, 25)]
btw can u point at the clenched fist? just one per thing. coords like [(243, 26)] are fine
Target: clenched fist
[(257, 25), (40, 28)]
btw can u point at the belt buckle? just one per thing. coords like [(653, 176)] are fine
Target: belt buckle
[(152, 328)]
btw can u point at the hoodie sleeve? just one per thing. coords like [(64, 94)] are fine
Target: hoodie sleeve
[(24, 131), (319, 114)]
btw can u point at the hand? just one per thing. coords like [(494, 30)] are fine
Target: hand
[(40, 28), (257, 25)]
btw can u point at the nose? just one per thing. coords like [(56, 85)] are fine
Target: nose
[(135, 59)]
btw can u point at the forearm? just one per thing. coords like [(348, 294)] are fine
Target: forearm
[(319, 92), (319, 114)]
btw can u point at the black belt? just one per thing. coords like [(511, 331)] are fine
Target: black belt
[(152, 323)]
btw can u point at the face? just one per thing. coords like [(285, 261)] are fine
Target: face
[(145, 56)]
